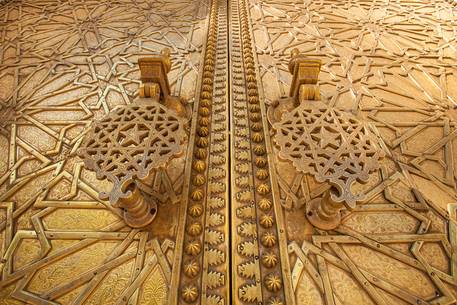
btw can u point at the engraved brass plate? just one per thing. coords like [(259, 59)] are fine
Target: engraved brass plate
[(231, 224)]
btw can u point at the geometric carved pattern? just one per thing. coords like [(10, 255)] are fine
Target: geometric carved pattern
[(64, 65), (130, 142), (392, 64), (330, 144)]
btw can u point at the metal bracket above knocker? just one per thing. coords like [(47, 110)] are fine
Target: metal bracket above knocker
[(332, 145), (155, 85), (304, 87)]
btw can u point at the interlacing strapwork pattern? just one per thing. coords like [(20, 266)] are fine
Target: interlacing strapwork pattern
[(64, 65), (132, 141), (330, 144), (392, 64)]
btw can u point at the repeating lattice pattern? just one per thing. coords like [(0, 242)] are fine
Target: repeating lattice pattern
[(330, 144), (132, 141), (64, 65), (391, 63)]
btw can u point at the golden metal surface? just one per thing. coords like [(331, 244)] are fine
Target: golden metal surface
[(231, 225), (62, 66), (391, 64), (133, 142)]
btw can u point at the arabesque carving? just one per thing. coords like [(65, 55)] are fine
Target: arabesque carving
[(130, 143), (238, 234)]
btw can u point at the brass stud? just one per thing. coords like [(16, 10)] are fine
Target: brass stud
[(208, 81), (207, 88), (191, 269), (256, 126), (269, 259), (263, 189), (205, 102), (193, 248), (196, 210), (205, 94), (202, 142), (204, 121), (253, 100), (255, 117), (190, 294), (257, 137), (265, 204), (250, 78), (197, 194), (273, 282), (275, 301), (208, 68), (262, 174), (266, 221), (252, 92), (254, 108), (194, 229), (207, 74), (268, 239), (209, 61), (260, 162), (204, 111), (259, 150), (200, 153), (199, 166), (199, 180)]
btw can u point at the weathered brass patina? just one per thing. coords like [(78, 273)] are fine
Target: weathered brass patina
[(230, 224)]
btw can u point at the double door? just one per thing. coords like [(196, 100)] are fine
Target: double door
[(231, 226)]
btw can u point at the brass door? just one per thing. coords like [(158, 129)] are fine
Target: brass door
[(231, 226)]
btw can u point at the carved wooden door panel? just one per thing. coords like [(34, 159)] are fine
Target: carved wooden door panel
[(234, 223)]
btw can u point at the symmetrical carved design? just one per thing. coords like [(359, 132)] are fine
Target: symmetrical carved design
[(128, 144), (204, 260), (395, 247), (330, 144), (64, 65), (259, 249), (334, 147)]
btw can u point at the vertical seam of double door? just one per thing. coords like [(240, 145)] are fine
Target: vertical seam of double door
[(272, 276), (228, 220)]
